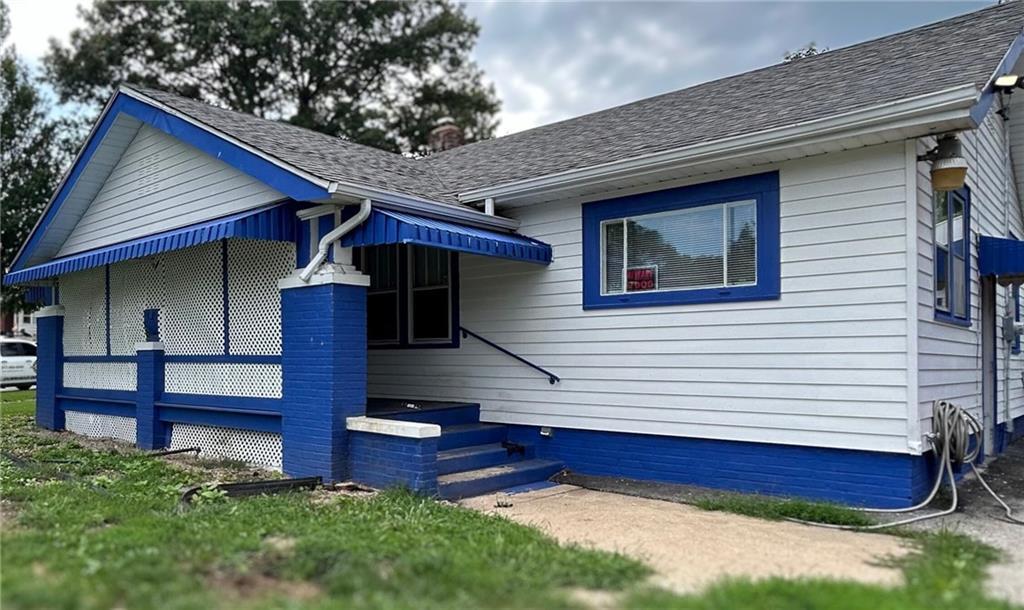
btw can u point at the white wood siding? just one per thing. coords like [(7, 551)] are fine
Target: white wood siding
[(162, 183), (825, 365), (950, 356)]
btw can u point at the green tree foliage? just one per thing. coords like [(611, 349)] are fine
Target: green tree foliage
[(378, 73), (33, 150)]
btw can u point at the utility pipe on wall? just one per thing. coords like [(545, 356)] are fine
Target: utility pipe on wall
[(325, 242)]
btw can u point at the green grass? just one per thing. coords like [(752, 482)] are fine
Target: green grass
[(19, 402), (778, 509), (104, 531), (947, 574)]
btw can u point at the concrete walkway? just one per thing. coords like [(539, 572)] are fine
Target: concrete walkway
[(690, 548)]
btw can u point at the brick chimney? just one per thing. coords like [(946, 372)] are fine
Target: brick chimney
[(445, 136)]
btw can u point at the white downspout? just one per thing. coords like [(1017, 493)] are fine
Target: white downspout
[(325, 242)]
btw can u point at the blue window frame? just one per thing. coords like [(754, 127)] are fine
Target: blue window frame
[(1016, 307), (952, 241), (707, 243), (413, 297)]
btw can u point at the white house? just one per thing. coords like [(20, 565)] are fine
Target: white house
[(749, 284)]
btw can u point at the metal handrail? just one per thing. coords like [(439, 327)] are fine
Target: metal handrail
[(552, 378)]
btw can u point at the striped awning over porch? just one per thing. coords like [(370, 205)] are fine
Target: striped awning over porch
[(276, 222), (279, 223), (385, 226)]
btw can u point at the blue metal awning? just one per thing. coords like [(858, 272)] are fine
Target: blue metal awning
[(279, 223), (1001, 257), (276, 222), (386, 226)]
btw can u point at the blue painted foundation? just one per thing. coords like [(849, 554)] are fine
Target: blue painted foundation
[(838, 475), (384, 461), (323, 367), (49, 371)]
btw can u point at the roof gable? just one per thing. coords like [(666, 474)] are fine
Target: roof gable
[(110, 137), (161, 183)]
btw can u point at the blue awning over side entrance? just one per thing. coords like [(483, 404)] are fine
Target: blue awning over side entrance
[(276, 222), (392, 227), (1001, 257)]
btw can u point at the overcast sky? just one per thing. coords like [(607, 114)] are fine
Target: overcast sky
[(554, 60)]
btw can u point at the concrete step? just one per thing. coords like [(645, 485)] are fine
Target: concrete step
[(476, 482), (477, 456), (465, 435), (454, 415)]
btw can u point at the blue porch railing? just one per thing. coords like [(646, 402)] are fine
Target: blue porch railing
[(552, 378)]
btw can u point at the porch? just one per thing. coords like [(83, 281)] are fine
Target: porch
[(208, 338)]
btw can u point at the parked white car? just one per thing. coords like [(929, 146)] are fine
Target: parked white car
[(17, 363)]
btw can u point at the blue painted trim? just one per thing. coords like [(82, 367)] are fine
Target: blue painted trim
[(865, 478), (302, 241), (42, 295), (244, 420), (393, 227), (262, 406), (981, 108), (116, 396), (274, 222), (225, 302), (764, 188), (285, 181), (944, 316), (104, 402), (325, 224), (106, 291)]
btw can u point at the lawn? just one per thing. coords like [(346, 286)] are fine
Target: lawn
[(100, 527)]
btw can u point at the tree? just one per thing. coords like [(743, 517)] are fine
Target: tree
[(33, 150), (377, 73), (807, 51)]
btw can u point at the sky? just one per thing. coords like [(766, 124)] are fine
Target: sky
[(554, 60)]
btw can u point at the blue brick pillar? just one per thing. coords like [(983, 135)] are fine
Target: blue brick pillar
[(150, 432), (49, 366), (323, 368)]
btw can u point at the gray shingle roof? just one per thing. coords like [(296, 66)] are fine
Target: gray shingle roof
[(960, 51), (327, 157)]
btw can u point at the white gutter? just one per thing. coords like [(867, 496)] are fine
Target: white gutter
[(955, 103), (423, 207), (325, 242)]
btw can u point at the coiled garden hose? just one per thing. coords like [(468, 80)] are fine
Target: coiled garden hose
[(952, 429)]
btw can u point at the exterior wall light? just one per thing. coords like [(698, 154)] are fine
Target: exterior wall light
[(1008, 82), (949, 168)]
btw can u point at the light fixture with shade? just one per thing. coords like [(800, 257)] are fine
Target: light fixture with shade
[(1008, 82), (949, 167)]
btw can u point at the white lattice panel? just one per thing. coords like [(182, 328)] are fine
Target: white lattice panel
[(100, 375), (256, 448), (135, 286), (254, 380), (254, 311), (84, 297), (192, 320), (100, 426)]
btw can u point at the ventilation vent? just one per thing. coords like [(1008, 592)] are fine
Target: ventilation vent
[(249, 446), (100, 426)]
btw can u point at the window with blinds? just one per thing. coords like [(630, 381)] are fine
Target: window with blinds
[(703, 247)]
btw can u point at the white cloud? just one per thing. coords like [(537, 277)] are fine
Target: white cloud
[(34, 22)]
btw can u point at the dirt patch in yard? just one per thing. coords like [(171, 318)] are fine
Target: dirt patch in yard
[(690, 548)]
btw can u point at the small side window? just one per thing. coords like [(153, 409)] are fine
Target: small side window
[(952, 233)]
